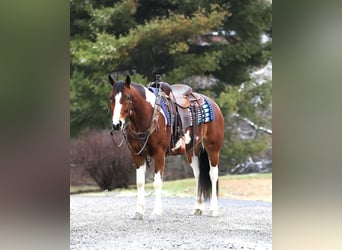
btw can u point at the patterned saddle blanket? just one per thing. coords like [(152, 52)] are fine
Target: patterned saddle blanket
[(183, 107)]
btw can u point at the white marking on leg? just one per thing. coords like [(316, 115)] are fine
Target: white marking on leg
[(199, 205), (140, 186), (213, 202), (117, 109), (157, 183)]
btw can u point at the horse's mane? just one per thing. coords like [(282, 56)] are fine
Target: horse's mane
[(139, 88), (119, 86)]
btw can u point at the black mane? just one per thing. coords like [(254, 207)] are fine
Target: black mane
[(140, 89), (118, 86)]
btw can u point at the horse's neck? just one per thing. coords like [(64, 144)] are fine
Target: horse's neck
[(143, 103)]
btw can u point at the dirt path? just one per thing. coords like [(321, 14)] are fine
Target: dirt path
[(103, 222)]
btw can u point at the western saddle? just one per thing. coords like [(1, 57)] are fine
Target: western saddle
[(183, 105)]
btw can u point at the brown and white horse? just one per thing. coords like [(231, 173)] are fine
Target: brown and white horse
[(133, 113)]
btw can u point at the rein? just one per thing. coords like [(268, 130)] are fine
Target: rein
[(116, 145), (138, 136)]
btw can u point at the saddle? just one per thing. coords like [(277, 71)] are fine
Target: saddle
[(185, 97), (185, 105), (188, 103)]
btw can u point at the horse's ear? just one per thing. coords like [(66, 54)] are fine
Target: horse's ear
[(111, 80), (128, 81)]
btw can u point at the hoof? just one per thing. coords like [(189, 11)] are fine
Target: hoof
[(213, 213), (154, 217), (197, 212), (137, 216)]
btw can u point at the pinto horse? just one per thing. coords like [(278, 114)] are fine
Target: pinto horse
[(147, 131)]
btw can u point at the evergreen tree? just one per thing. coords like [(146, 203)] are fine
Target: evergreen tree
[(178, 39)]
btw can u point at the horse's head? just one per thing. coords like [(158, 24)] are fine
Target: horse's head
[(120, 101)]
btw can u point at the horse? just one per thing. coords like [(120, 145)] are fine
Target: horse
[(148, 131)]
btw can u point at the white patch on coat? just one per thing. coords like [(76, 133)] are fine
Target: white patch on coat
[(157, 183), (195, 167), (140, 185), (151, 99), (187, 137), (117, 109), (213, 173)]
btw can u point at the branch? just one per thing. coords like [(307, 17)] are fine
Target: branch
[(253, 125)]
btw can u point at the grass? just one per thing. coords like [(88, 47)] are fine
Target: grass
[(84, 189), (245, 187)]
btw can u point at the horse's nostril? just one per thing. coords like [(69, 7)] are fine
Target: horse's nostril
[(117, 126)]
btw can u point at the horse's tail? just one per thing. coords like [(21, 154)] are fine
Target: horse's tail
[(204, 182)]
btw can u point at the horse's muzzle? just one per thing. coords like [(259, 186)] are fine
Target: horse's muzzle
[(117, 126)]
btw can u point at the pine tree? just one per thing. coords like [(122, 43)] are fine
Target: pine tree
[(178, 39)]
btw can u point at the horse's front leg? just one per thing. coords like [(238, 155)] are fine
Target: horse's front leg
[(159, 162), (158, 183), (140, 210)]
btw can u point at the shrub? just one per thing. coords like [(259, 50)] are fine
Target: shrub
[(108, 165)]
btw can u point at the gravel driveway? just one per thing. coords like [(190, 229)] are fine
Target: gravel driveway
[(103, 221)]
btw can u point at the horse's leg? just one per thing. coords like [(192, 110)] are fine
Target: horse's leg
[(214, 178), (140, 210), (213, 145), (159, 162), (213, 173), (194, 163)]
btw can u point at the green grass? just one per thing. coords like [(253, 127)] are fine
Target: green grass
[(186, 187), (243, 188), (183, 187), (246, 176), (83, 189)]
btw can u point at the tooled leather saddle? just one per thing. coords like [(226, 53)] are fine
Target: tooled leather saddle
[(185, 107)]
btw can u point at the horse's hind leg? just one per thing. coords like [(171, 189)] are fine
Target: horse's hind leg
[(194, 163), (213, 173)]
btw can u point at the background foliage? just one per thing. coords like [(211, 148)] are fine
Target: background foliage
[(179, 40)]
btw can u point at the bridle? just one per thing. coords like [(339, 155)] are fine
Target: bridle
[(141, 136)]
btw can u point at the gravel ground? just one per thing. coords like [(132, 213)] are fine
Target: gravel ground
[(103, 221)]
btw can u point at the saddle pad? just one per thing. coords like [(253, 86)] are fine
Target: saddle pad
[(205, 112)]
